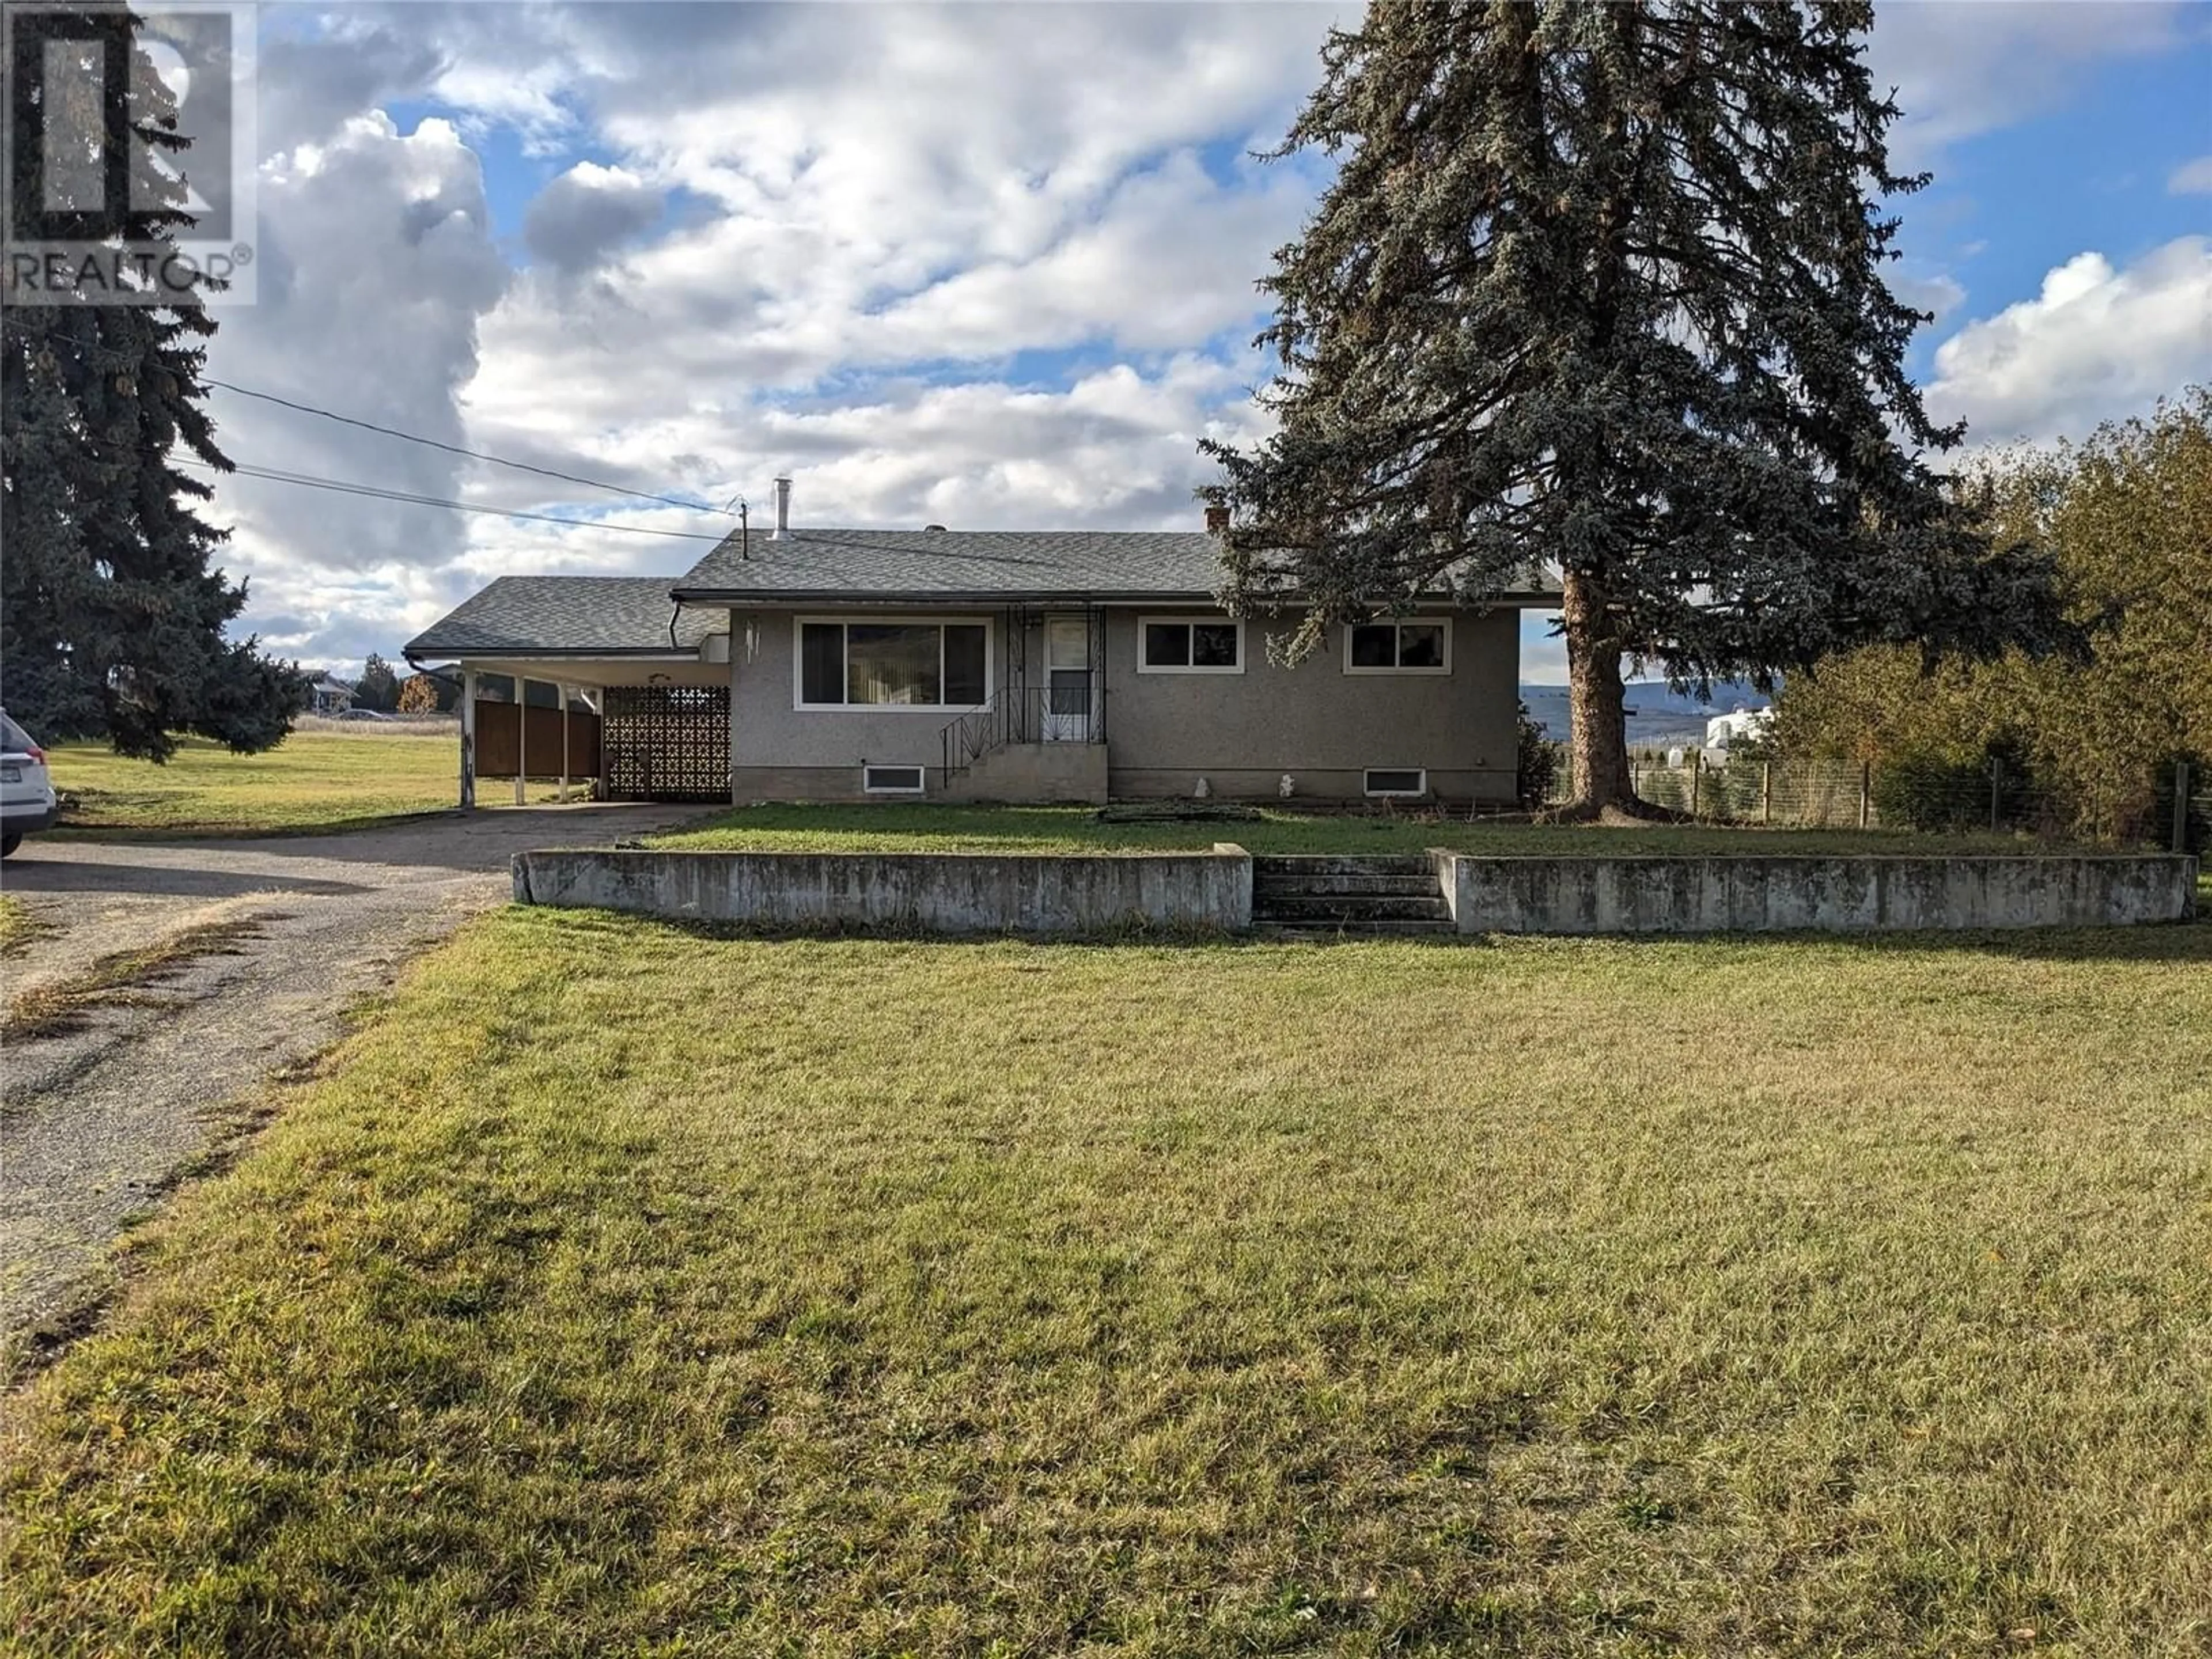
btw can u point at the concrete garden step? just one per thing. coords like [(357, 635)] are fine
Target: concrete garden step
[(1341, 907), (1400, 929), (1424, 883), (1305, 866)]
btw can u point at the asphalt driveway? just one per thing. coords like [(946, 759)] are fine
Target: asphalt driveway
[(98, 1120)]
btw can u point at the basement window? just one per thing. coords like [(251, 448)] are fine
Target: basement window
[(1421, 645), (1390, 781), (891, 780)]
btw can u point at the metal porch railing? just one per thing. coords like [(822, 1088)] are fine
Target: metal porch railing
[(1065, 713)]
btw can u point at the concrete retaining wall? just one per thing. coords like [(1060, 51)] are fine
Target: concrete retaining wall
[(1537, 895), (929, 893), (987, 893)]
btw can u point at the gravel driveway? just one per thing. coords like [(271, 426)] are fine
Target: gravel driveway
[(97, 1121)]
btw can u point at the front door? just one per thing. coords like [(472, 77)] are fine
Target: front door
[(1067, 679)]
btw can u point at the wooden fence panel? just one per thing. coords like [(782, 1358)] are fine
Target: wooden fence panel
[(499, 728)]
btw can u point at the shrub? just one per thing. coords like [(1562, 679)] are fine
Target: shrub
[(1926, 790), (1536, 766)]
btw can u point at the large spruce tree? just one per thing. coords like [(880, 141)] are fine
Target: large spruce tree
[(112, 615), (1601, 285)]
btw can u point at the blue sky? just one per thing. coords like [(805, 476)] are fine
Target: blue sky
[(992, 264), (2007, 206)]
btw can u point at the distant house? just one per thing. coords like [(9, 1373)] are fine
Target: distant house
[(329, 696), (1009, 666), (1724, 732)]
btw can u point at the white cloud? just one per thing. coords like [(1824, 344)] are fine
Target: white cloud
[(1167, 261), (580, 219), (2095, 343), (1117, 449), (2191, 178), (1940, 294), (375, 262), (894, 186), (1170, 260), (305, 89)]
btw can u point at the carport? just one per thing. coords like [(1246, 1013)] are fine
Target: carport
[(641, 688)]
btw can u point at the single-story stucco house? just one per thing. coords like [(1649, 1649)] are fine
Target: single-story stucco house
[(1004, 666)]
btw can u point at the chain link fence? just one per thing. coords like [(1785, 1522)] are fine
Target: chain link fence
[(1839, 794)]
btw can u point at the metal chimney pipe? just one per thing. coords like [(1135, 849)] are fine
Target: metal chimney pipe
[(782, 508)]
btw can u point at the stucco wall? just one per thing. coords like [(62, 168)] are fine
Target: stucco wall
[(1241, 732), (1315, 722), (1536, 895), (938, 893), (780, 752)]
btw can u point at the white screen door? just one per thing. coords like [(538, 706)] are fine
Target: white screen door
[(1067, 679)]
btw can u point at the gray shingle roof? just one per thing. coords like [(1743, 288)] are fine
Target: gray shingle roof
[(523, 616), (897, 564), (529, 615)]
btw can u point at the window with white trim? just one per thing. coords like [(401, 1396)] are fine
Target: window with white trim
[(1189, 645), (1418, 645), (884, 662), (1395, 780), (891, 780)]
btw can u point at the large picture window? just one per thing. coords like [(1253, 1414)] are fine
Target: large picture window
[(894, 664), (1189, 645), (1419, 646)]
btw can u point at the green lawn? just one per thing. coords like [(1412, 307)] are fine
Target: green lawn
[(315, 780), (1058, 829), (624, 1290)]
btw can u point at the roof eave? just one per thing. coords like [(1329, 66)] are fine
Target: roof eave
[(523, 648), (728, 596), (935, 596)]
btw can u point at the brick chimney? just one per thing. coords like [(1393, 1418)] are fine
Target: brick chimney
[(1216, 521)]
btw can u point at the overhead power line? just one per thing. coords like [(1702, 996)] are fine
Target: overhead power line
[(456, 449), (377, 492), (88, 348)]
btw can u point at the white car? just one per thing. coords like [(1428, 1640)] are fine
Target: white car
[(27, 793)]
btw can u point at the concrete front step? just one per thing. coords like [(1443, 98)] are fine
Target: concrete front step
[(1349, 907)]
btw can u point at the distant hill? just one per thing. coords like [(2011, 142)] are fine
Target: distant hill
[(1657, 716)]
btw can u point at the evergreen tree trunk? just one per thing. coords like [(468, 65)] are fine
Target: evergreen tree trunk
[(1597, 717)]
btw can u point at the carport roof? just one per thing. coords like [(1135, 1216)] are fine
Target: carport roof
[(566, 615)]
